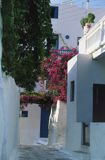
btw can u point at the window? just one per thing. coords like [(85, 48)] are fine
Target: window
[(55, 41), (24, 114), (78, 38), (54, 12), (72, 87), (86, 134)]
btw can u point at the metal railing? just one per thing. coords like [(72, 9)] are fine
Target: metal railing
[(61, 52)]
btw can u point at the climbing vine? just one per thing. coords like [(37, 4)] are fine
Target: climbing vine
[(55, 68)]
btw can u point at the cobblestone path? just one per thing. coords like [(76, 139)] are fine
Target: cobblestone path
[(41, 152)]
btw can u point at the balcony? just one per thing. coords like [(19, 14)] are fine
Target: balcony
[(94, 41), (60, 51)]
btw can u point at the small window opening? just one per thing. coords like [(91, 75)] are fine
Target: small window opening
[(78, 38), (86, 134), (54, 12), (72, 87), (55, 41), (24, 114)]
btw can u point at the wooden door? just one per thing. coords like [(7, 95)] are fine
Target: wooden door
[(44, 123), (98, 103)]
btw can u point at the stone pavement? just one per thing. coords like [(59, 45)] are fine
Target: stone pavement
[(42, 152)]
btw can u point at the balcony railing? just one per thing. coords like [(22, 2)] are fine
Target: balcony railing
[(60, 51), (94, 40)]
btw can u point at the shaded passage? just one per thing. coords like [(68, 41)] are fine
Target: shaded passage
[(41, 152)]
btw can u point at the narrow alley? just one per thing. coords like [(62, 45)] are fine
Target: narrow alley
[(42, 152)]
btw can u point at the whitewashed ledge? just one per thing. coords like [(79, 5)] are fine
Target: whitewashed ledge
[(94, 41), (9, 115)]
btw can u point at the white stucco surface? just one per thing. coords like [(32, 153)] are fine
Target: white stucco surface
[(85, 72), (73, 136), (30, 126), (57, 124), (61, 123), (0, 42), (97, 139), (68, 23), (9, 116), (1, 117), (89, 72)]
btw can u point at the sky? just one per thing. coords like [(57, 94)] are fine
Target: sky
[(82, 3)]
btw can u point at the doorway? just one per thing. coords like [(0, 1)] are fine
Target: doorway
[(99, 103), (44, 123)]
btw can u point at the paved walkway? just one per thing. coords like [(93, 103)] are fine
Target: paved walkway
[(41, 152)]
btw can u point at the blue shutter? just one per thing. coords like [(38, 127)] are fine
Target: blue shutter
[(56, 12)]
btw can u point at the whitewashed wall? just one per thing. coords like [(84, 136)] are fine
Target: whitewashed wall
[(68, 23), (57, 125), (30, 126), (1, 118), (9, 116), (0, 42), (73, 137), (61, 124), (97, 140), (85, 72)]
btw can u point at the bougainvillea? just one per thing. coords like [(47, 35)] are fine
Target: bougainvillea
[(42, 99), (56, 69)]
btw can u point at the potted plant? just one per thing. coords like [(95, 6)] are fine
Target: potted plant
[(87, 21)]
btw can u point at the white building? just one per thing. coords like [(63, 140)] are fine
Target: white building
[(67, 28), (34, 121), (86, 97), (66, 23)]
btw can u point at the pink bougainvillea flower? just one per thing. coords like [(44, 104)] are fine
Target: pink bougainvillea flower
[(56, 70)]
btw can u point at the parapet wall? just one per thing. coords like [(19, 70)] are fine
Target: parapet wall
[(9, 115)]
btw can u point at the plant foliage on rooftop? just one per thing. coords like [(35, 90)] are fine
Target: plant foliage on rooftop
[(88, 19)]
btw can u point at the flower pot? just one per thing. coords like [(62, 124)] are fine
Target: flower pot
[(87, 28)]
